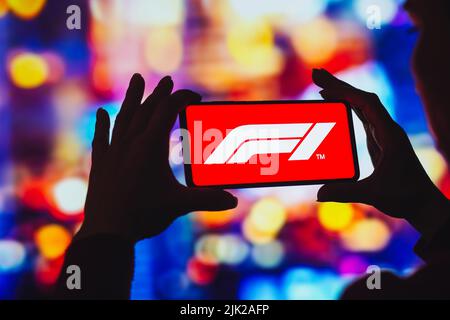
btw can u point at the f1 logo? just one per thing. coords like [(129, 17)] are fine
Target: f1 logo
[(240, 144), (246, 141)]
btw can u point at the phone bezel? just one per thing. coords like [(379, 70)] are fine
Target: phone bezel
[(187, 167)]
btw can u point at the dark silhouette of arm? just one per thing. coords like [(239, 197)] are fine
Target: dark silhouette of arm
[(132, 192), (437, 245), (106, 265)]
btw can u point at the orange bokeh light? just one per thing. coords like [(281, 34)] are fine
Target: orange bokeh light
[(215, 219), (52, 240)]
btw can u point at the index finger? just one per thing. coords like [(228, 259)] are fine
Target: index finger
[(129, 106), (367, 105), (167, 110)]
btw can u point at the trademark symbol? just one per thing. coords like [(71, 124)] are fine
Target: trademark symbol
[(320, 156)]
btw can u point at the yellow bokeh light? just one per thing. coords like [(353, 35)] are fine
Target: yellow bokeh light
[(316, 42), (164, 50), (268, 215), (433, 162), (28, 70), (67, 149), (335, 216), (52, 240), (3, 8), (251, 45), (366, 235), (254, 235), (26, 9)]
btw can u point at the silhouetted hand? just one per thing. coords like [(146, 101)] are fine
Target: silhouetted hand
[(132, 190), (398, 186)]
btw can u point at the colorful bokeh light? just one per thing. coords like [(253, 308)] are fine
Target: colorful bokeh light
[(251, 45), (214, 219), (164, 50), (201, 273), (12, 255), (366, 235), (3, 8), (26, 9), (28, 70), (316, 42), (268, 255), (268, 215), (52, 240), (335, 216), (69, 195)]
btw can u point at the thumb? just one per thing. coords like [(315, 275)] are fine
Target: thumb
[(345, 192), (206, 199)]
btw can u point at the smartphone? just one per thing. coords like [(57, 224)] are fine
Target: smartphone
[(268, 143)]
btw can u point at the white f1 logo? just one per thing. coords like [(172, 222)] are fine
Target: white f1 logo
[(246, 141)]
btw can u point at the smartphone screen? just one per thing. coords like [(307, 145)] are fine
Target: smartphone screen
[(268, 143)]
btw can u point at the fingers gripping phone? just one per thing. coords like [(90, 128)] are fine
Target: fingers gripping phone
[(268, 143)]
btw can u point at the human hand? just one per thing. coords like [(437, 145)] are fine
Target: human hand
[(398, 186), (132, 190)]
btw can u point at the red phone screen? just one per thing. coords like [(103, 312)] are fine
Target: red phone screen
[(245, 144)]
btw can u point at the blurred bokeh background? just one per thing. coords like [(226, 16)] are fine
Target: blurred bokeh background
[(278, 243)]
